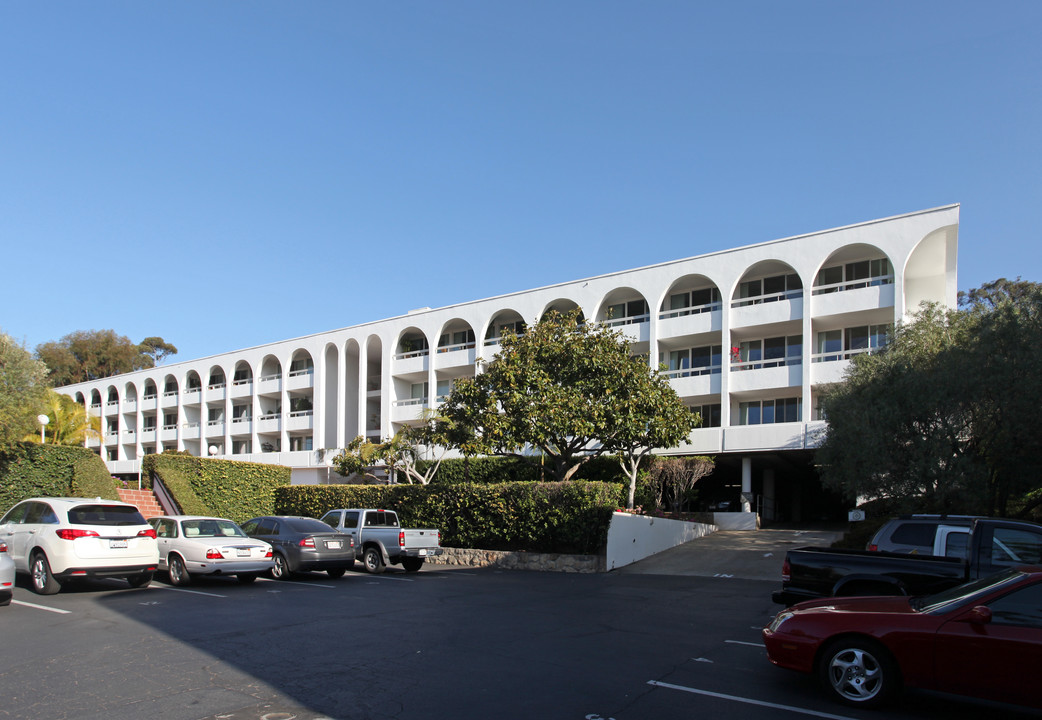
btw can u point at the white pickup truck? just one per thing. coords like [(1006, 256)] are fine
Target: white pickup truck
[(380, 541)]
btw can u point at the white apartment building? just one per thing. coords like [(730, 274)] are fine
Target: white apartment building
[(749, 337)]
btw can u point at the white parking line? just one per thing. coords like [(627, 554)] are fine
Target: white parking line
[(41, 607), (193, 592), (740, 642), (297, 582), (750, 701)]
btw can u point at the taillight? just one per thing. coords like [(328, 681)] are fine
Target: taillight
[(268, 554), (151, 532), (213, 554), (873, 548), (401, 538), (786, 570), (73, 533), (3, 547), (308, 542)]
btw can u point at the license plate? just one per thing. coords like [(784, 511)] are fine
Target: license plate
[(117, 543), (242, 552), (334, 544)]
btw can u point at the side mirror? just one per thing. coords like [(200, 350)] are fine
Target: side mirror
[(980, 615)]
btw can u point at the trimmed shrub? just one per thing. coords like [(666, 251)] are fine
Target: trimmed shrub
[(227, 488), (35, 470), (571, 517), (486, 470)]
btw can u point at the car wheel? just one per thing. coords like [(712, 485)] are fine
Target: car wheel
[(280, 570), (140, 580), (178, 572), (336, 572), (373, 561), (246, 578), (43, 582), (859, 672), (412, 564)]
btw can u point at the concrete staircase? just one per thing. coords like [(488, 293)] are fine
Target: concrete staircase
[(145, 500)]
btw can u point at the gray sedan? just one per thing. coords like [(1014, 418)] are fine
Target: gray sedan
[(301, 544)]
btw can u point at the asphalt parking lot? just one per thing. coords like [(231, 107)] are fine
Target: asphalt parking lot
[(455, 643)]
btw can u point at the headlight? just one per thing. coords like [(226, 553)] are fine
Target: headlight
[(779, 619)]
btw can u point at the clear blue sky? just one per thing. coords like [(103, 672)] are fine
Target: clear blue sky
[(227, 174)]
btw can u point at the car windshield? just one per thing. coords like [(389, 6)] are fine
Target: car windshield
[(307, 525), (105, 515), (962, 595), (211, 527)]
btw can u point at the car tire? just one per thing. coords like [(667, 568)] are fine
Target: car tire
[(246, 578), (412, 564), (140, 580), (280, 570), (859, 672), (336, 572), (178, 572), (42, 581), (373, 561)]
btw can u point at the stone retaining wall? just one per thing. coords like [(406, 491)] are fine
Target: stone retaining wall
[(552, 562)]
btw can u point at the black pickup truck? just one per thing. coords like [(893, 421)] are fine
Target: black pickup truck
[(992, 545)]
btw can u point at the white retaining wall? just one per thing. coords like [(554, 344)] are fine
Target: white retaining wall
[(635, 537)]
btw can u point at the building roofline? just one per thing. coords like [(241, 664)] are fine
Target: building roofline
[(426, 311)]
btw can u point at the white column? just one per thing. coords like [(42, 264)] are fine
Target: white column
[(747, 482)]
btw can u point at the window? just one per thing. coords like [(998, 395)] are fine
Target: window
[(710, 414), (1022, 607), (418, 391), (863, 273), (770, 289), (764, 412), (444, 388), (300, 443), (241, 412), (169, 421)]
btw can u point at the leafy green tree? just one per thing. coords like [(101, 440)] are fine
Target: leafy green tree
[(399, 454), (22, 389), (92, 354), (648, 414), (157, 348), (943, 419), (560, 394), (69, 423)]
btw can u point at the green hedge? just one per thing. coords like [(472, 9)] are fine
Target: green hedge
[(31, 470), (571, 517), (486, 470), (227, 488)]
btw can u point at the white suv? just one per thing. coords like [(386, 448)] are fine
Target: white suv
[(59, 539)]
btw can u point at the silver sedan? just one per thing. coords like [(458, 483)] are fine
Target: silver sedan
[(6, 576), (196, 545)]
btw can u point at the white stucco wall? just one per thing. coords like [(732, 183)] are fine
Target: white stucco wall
[(635, 537)]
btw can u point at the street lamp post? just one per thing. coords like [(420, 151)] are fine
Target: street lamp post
[(43, 420)]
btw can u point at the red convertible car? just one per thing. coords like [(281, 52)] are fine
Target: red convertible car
[(982, 639)]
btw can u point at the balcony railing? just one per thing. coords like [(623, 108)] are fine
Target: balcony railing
[(453, 348), (769, 363), (838, 355), (216, 386), (631, 320), (773, 297), (305, 371), (693, 372), (684, 312), (412, 354), (853, 284), (410, 401)]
